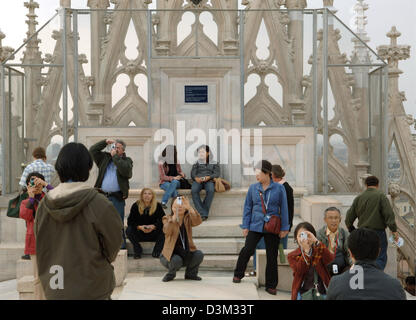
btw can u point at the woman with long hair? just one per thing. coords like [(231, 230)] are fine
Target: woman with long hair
[(170, 173), (144, 223)]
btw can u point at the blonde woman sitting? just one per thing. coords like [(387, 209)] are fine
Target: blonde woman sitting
[(144, 223)]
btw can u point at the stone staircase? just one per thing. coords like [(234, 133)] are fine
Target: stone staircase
[(220, 237)]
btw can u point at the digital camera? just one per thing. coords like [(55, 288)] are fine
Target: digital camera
[(303, 236)]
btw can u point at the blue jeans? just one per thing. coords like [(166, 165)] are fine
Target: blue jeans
[(203, 206), (284, 241), (260, 245), (381, 260), (119, 205), (170, 190)]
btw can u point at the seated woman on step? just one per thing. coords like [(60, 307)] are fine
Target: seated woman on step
[(144, 223), (170, 173), (204, 171)]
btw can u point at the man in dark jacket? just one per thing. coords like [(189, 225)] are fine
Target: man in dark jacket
[(364, 281), (115, 170), (373, 210)]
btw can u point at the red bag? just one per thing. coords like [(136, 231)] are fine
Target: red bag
[(274, 223)]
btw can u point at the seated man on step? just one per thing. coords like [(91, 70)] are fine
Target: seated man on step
[(179, 249)]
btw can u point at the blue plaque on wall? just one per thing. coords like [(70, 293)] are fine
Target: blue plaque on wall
[(196, 94)]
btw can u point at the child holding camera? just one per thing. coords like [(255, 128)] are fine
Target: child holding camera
[(309, 262)]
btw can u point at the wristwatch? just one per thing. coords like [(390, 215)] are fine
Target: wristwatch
[(203, 178)]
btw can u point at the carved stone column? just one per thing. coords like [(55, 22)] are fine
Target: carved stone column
[(295, 30), (32, 55)]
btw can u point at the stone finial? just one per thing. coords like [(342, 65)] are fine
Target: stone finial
[(5, 52), (360, 18), (32, 5), (65, 3), (328, 3), (393, 53), (98, 4), (296, 4), (393, 34), (361, 52)]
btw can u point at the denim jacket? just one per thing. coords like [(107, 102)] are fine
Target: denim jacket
[(275, 201)]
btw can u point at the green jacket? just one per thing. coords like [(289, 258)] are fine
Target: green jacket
[(81, 232), (373, 210), (124, 167)]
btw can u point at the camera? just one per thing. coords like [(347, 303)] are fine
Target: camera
[(303, 236), (113, 146), (335, 269), (32, 182), (179, 201)]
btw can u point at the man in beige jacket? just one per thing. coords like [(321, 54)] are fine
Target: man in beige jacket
[(179, 249)]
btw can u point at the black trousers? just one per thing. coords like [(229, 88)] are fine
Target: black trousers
[(272, 250), (136, 236)]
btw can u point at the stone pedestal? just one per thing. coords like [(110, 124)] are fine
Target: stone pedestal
[(25, 278), (284, 271), (312, 209)]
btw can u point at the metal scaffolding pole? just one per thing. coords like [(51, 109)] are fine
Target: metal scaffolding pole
[(65, 78), (325, 102), (149, 68), (242, 71), (315, 101), (76, 71), (4, 123)]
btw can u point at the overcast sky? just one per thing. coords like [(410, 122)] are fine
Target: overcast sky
[(382, 15)]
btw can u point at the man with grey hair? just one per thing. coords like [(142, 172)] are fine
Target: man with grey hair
[(335, 239), (114, 171)]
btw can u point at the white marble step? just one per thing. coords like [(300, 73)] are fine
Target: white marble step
[(226, 204), (210, 263)]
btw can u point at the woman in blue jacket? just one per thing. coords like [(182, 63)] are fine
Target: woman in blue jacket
[(274, 198)]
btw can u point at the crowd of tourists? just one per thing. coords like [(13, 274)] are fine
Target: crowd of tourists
[(81, 228)]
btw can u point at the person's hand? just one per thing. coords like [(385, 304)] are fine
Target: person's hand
[(198, 180), (31, 191), (39, 181), (109, 141), (113, 152), (152, 227), (311, 238), (283, 234), (186, 204), (178, 178), (304, 243), (245, 232), (395, 236), (207, 178)]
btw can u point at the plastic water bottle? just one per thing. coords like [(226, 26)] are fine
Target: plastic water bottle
[(399, 242)]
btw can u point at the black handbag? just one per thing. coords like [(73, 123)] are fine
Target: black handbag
[(184, 184), (13, 209)]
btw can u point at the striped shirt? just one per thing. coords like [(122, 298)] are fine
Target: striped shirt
[(45, 169)]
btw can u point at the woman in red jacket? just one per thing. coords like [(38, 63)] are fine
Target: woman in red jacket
[(35, 183), (311, 256)]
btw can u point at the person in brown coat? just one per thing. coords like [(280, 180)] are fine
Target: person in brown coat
[(179, 249)]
